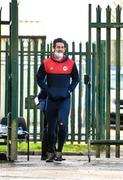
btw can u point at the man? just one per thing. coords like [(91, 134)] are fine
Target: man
[(62, 78)]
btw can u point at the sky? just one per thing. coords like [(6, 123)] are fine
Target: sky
[(53, 18)]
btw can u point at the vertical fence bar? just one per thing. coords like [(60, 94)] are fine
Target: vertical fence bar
[(93, 91), (42, 57), (102, 91), (73, 104), (80, 95), (51, 48), (118, 14), (7, 62), (21, 77), (88, 66), (35, 87), (108, 62), (28, 86), (88, 92), (98, 41), (48, 51)]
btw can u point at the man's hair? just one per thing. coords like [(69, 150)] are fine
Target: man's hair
[(59, 40)]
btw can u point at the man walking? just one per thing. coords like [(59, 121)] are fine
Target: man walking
[(62, 78)]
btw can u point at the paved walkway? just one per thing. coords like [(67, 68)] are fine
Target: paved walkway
[(74, 167)]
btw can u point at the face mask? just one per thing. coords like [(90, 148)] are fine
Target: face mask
[(58, 55)]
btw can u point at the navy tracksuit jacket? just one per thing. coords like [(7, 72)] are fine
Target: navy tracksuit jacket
[(62, 78)]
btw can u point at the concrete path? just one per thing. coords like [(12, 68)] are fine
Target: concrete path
[(74, 167)]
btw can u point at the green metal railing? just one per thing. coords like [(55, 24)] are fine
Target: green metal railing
[(32, 51), (101, 85), (21, 57)]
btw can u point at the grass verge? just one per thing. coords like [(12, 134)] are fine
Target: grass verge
[(68, 148)]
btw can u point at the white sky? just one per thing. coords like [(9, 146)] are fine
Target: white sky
[(66, 18)]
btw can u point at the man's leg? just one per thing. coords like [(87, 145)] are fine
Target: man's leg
[(51, 119), (63, 121)]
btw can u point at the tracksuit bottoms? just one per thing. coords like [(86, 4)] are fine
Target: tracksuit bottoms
[(57, 114)]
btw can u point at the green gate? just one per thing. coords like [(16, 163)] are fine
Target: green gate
[(99, 70)]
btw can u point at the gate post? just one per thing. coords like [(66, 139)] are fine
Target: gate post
[(13, 79), (118, 19)]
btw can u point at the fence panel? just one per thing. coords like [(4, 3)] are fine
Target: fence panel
[(32, 51), (107, 67)]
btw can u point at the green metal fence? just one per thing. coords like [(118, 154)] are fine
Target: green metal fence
[(32, 51), (99, 71), (91, 102)]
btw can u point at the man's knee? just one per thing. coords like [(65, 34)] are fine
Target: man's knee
[(62, 126)]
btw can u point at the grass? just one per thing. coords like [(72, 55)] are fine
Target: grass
[(71, 148), (35, 147)]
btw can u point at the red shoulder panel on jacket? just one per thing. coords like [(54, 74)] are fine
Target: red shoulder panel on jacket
[(53, 67)]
